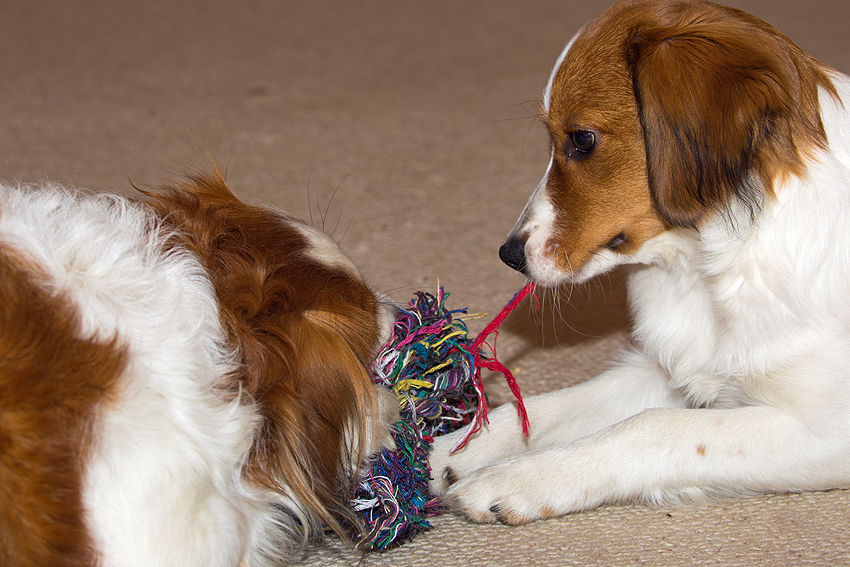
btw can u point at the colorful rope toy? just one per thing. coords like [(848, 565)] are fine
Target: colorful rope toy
[(435, 370)]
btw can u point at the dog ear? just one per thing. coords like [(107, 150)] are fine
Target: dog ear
[(711, 97)]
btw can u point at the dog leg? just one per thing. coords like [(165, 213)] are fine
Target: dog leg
[(556, 418), (657, 456)]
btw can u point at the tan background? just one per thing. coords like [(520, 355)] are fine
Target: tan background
[(410, 128)]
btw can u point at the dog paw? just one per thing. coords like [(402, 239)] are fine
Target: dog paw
[(448, 468), (499, 439), (499, 494)]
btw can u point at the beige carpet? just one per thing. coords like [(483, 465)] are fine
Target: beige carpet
[(408, 130)]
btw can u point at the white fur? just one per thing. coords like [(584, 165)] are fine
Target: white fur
[(537, 220), (324, 249), (739, 380), (163, 484)]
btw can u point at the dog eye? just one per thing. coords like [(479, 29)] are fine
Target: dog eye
[(616, 242), (580, 144)]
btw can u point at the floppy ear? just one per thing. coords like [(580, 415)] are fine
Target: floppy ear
[(712, 97), (315, 417)]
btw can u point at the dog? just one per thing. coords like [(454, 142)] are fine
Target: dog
[(701, 148), (183, 378)]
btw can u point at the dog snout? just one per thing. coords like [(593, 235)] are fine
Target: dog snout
[(512, 253)]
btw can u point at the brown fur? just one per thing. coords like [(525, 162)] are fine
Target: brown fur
[(285, 312), (692, 104), (51, 381), (721, 96)]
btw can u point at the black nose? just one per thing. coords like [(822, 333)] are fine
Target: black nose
[(512, 253)]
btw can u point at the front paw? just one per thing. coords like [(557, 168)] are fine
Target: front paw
[(502, 493), (447, 467), (499, 439)]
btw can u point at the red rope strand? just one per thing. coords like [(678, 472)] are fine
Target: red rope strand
[(496, 366)]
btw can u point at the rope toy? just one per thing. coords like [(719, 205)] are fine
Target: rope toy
[(435, 371)]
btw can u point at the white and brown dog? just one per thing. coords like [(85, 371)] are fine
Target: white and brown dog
[(698, 145), (183, 381)]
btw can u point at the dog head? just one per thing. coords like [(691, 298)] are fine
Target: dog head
[(661, 114), (305, 329)]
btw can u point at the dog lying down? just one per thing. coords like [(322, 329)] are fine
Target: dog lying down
[(702, 148), (183, 380)]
